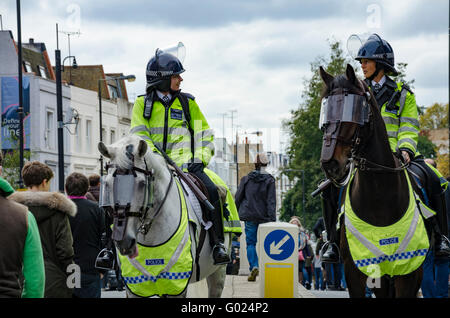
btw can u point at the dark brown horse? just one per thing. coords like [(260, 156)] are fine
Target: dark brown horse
[(379, 191)]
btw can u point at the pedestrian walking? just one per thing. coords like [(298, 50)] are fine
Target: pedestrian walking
[(304, 254), (52, 211), (22, 271), (87, 227), (318, 265), (256, 203)]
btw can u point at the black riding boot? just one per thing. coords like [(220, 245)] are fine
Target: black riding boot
[(439, 226), (216, 236), (330, 250)]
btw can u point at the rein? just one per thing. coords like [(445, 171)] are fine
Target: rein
[(362, 163), (143, 211)]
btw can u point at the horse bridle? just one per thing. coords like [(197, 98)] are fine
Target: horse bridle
[(356, 160), (120, 212)]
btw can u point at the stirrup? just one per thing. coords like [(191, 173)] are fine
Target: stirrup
[(445, 252), (222, 258), (325, 248)]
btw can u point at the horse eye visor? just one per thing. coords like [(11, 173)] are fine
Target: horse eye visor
[(350, 108)]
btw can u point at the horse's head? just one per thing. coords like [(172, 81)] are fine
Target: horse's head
[(124, 190), (344, 116)]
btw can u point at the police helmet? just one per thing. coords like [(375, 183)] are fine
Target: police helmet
[(160, 69), (378, 50)]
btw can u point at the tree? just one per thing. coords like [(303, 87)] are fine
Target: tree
[(443, 164), (425, 146), (435, 117), (11, 163)]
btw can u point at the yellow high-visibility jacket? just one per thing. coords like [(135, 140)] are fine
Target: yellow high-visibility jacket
[(169, 129)]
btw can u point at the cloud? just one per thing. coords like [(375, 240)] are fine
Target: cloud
[(247, 55)]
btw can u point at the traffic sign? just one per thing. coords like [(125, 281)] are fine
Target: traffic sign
[(279, 245)]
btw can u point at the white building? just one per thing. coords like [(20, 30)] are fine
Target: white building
[(81, 136)]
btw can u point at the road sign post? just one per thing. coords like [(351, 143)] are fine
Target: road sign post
[(278, 260)]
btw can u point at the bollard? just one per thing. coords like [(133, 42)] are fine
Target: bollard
[(278, 260)]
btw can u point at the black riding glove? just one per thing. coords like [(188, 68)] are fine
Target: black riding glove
[(194, 167)]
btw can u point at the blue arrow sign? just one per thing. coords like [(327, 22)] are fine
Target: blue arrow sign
[(279, 245)]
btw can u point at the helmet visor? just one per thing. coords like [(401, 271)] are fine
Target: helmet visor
[(343, 108)]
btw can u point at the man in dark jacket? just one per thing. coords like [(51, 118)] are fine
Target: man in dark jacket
[(256, 202), (87, 229)]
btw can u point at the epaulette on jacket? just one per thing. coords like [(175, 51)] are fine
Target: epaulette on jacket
[(190, 96), (405, 86)]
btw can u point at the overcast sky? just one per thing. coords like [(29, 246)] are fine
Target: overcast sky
[(246, 55)]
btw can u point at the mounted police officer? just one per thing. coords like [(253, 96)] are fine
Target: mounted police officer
[(173, 120), (399, 111)]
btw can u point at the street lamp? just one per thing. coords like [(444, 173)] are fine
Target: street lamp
[(59, 110), (258, 133), (74, 66), (129, 78), (303, 186), (20, 108)]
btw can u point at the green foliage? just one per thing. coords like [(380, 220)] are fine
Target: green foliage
[(426, 147), (401, 77), (11, 164), (435, 117)]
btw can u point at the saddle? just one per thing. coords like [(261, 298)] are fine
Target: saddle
[(199, 183), (421, 179)]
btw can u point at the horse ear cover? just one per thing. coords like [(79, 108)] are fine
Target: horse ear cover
[(142, 148), (350, 72), (103, 149), (326, 77)]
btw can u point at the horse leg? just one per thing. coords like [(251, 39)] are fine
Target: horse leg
[(355, 279), (407, 286), (382, 288), (216, 282)]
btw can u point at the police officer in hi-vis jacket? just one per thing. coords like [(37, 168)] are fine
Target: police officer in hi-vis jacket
[(173, 120), (398, 108)]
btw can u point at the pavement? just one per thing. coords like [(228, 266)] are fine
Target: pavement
[(236, 286)]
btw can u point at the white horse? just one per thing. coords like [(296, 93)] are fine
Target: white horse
[(162, 218)]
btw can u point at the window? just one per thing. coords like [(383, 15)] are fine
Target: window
[(42, 71), (77, 137), (104, 135), (113, 136), (88, 135), (113, 93), (27, 66), (49, 135)]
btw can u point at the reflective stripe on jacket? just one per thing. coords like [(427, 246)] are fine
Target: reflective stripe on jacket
[(397, 249), (164, 269), (402, 125), (168, 128)]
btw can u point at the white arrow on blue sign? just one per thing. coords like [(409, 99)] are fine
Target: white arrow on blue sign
[(279, 245)]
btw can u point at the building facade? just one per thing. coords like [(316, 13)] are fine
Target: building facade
[(81, 116)]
